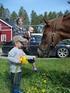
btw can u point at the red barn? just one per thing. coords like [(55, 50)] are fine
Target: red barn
[(5, 31)]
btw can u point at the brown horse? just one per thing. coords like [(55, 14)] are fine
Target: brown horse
[(55, 30)]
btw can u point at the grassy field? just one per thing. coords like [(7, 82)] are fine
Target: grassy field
[(53, 76)]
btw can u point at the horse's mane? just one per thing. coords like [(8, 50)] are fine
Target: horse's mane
[(61, 23)]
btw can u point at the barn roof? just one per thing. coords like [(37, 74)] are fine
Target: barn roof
[(5, 23)]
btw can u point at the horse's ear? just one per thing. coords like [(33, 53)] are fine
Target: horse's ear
[(46, 21)]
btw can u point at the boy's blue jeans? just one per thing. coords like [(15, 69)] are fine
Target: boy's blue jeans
[(15, 81)]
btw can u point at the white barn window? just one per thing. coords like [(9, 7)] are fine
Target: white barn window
[(3, 37)]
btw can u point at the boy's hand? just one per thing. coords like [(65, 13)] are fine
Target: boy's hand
[(32, 59)]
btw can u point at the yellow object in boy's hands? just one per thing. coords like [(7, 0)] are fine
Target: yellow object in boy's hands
[(23, 60)]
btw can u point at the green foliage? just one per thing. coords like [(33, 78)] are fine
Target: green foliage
[(22, 13), (66, 12), (6, 14), (13, 16), (1, 11), (45, 15), (52, 15), (33, 18), (53, 76), (36, 19), (60, 14)]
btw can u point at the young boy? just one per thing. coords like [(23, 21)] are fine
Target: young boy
[(15, 64)]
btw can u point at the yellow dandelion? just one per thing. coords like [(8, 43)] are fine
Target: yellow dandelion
[(44, 81), (43, 90), (35, 88)]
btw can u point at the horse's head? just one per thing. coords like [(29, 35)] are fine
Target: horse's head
[(54, 30), (49, 39), (45, 38)]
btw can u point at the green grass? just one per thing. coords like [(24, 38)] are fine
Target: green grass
[(53, 76)]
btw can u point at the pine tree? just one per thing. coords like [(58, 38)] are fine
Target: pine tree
[(22, 13), (13, 16), (34, 18), (1, 11)]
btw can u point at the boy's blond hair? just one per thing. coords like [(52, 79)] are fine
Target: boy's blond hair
[(20, 39)]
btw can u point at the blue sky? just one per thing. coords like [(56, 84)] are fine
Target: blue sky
[(40, 6)]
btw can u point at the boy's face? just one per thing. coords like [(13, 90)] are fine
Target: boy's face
[(18, 44)]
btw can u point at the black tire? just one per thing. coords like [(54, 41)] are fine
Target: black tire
[(62, 52)]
